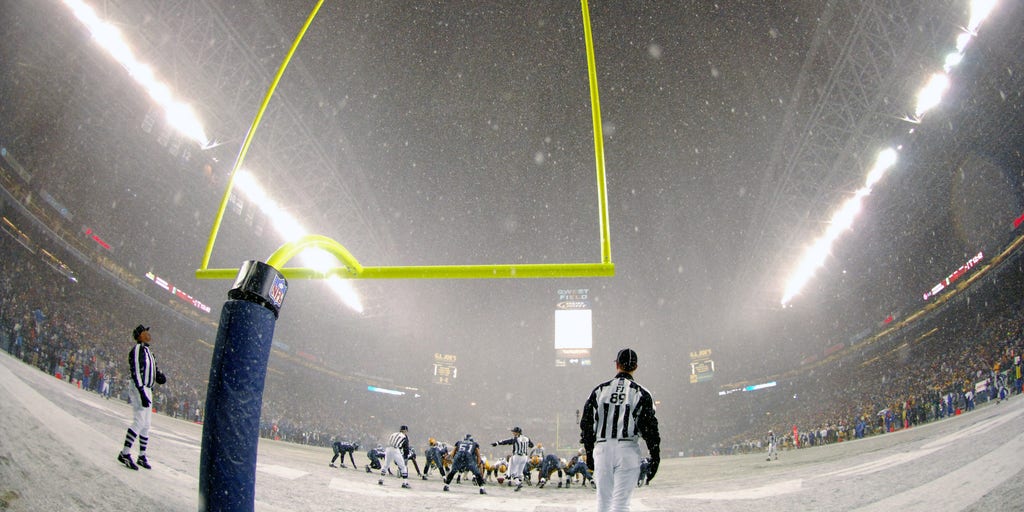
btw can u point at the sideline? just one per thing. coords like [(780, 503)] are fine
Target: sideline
[(962, 487), (87, 440)]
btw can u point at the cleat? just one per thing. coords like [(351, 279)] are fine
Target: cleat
[(769, 459), (332, 465), (380, 481), (593, 485), (519, 486), (367, 469), (405, 485), (424, 477), (559, 485), (541, 483), (483, 491), (142, 462), (127, 461), (342, 465), (446, 488)]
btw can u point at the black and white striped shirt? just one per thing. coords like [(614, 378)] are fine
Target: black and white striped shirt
[(520, 444), (399, 440), (142, 365), (619, 409)]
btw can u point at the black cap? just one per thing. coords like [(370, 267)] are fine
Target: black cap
[(517, 430), (404, 428), (626, 359), (139, 329), (260, 283)]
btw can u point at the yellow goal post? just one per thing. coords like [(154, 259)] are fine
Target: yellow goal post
[(350, 268)]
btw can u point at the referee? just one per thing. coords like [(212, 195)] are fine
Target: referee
[(144, 373), (396, 451), (517, 464), (616, 415)]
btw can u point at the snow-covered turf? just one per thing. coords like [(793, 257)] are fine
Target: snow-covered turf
[(58, 446)]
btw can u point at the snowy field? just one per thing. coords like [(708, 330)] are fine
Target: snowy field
[(58, 447)]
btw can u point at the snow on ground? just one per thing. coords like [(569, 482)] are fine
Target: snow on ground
[(58, 446)]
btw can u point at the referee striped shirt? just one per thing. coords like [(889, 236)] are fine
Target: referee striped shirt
[(143, 366), (398, 440), (619, 409), (520, 444)]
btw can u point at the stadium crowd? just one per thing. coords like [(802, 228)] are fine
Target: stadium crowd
[(965, 354), (79, 331)]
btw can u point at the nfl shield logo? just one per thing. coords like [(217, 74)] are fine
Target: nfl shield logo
[(277, 290)]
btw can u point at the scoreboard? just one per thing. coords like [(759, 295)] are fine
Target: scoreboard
[(574, 331), (445, 370), (702, 367)]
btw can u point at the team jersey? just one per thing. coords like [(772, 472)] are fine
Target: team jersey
[(345, 446), (551, 463), (467, 447)]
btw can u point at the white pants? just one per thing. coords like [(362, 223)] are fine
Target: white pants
[(142, 417), (392, 454), (616, 471), (516, 467)]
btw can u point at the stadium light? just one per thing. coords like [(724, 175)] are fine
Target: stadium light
[(952, 59), (886, 159), (815, 255), (928, 98), (980, 9), (962, 40), (291, 230), (179, 115), (182, 118), (931, 94)]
